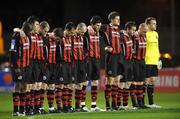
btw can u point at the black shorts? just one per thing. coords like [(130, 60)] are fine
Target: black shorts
[(22, 76), (66, 73), (79, 72), (14, 76), (128, 71), (139, 70), (151, 71), (93, 69), (114, 66), (39, 70), (51, 73), (59, 78), (31, 75)]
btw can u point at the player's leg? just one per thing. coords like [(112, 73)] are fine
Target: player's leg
[(59, 88), (15, 94), (150, 81), (94, 77), (16, 99), (22, 97), (119, 92), (78, 96)]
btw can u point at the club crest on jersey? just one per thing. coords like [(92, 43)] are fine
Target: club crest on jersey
[(13, 44), (109, 72)]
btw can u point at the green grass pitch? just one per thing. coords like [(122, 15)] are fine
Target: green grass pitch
[(170, 103)]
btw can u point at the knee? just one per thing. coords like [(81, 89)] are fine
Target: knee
[(121, 85), (127, 85), (150, 81), (51, 87), (110, 80), (44, 86), (38, 86), (78, 86), (95, 83)]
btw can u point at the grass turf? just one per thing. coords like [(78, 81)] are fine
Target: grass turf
[(170, 103)]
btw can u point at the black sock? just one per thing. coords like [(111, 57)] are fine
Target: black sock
[(93, 95), (150, 92)]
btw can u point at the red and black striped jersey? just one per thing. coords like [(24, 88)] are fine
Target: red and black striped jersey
[(20, 51), (113, 36), (39, 49), (139, 47), (94, 45), (66, 47), (33, 38), (78, 48), (127, 45), (51, 50)]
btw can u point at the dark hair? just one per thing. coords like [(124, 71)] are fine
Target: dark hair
[(95, 19), (32, 19), (112, 15), (148, 20), (58, 32), (44, 24), (130, 24), (69, 26), (27, 28)]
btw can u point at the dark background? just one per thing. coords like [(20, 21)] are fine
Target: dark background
[(57, 13)]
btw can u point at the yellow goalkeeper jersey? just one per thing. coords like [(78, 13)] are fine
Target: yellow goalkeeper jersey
[(152, 48)]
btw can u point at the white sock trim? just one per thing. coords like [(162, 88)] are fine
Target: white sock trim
[(83, 103), (93, 103)]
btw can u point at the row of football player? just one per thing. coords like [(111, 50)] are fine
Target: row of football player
[(116, 66)]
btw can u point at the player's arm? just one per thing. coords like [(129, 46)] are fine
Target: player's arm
[(105, 36), (22, 34), (46, 47), (60, 49), (86, 44), (14, 49), (123, 45)]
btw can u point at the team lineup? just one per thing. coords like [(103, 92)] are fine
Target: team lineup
[(60, 63)]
